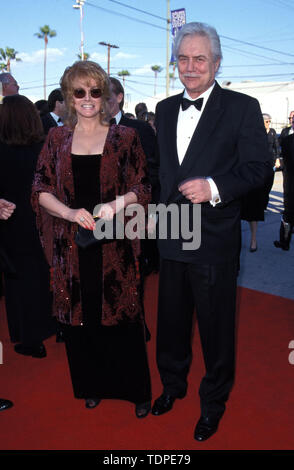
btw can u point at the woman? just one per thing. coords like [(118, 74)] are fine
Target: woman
[(95, 289), (255, 203), (26, 272)]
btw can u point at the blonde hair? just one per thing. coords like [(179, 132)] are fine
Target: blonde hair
[(85, 69)]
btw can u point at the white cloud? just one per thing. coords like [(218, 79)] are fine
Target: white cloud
[(98, 57), (37, 57), (124, 55), (101, 57), (144, 70)]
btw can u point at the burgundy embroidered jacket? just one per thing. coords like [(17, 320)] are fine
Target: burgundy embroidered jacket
[(123, 169)]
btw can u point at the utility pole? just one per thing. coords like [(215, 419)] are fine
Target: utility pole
[(167, 47), (80, 5), (109, 46)]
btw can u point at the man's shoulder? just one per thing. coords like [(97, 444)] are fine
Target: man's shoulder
[(236, 96), (141, 126), (169, 101)]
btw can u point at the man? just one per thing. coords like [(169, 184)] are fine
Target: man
[(148, 141), (289, 129), (146, 133), (287, 220), (141, 111), (211, 157), (56, 114), (9, 84)]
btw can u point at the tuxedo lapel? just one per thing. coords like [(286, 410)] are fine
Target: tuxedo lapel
[(207, 123), (171, 132)]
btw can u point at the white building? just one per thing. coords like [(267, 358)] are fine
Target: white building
[(275, 98)]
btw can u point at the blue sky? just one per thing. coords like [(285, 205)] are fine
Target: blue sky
[(267, 24)]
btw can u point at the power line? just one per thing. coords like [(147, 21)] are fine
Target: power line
[(125, 16), (137, 9)]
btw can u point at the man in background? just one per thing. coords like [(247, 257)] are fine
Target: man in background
[(9, 84), (56, 114)]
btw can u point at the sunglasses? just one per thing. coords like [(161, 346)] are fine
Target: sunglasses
[(267, 121), (80, 93)]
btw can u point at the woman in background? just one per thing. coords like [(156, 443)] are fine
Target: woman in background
[(255, 203), (96, 289), (26, 277)]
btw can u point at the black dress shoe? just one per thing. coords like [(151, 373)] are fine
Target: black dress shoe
[(92, 402), (34, 351), (163, 404), (5, 404), (142, 409), (205, 428)]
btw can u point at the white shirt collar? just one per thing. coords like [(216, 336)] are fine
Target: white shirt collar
[(55, 116), (117, 117)]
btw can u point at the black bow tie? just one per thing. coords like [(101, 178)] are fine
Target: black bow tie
[(197, 103)]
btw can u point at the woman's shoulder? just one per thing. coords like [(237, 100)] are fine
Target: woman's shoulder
[(58, 133)]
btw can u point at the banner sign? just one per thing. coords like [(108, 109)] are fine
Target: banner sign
[(178, 19)]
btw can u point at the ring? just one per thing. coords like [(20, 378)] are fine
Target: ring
[(192, 196), (82, 219)]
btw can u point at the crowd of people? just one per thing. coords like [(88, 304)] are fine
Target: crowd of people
[(76, 158)]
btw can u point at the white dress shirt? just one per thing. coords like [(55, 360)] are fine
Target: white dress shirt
[(187, 123), (56, 118)]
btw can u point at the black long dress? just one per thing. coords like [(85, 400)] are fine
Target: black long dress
[(27, 285), (104, 361)]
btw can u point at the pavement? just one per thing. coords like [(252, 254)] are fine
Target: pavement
[(269, 269)]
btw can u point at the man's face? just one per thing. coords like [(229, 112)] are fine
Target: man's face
[(60, 109), (195, 64), (114, 101), (10, 88), (291, 119)]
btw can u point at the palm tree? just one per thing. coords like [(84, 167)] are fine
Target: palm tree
[(7, 55), (44, 33), (123, 74), (86, 56), (156, 69)]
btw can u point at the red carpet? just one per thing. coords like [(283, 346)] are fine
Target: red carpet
[(259, 416)]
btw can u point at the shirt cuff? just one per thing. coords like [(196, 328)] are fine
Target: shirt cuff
[(215, 197)]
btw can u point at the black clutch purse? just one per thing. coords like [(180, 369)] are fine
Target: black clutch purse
[(85, 238)]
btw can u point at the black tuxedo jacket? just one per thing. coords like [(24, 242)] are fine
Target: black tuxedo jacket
[(230, 146), (148, 141), (48, 121)]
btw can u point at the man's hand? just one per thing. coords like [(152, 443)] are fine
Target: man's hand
[(6, 209), (196, 190)]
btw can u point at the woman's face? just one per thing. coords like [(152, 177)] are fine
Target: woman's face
[(86, 97)]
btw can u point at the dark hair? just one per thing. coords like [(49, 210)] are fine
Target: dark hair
[(54, 96), (20, 123), (117, 89), (140, 109), (42, 107), (85, 69)]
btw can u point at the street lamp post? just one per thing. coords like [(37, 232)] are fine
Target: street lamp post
[(109, 46), (80, 5)]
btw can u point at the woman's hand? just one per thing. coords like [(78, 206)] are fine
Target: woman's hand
[(80, 216), (6, 209), (108, 210)]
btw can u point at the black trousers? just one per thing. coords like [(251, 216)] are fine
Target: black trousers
[(211, 289)]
